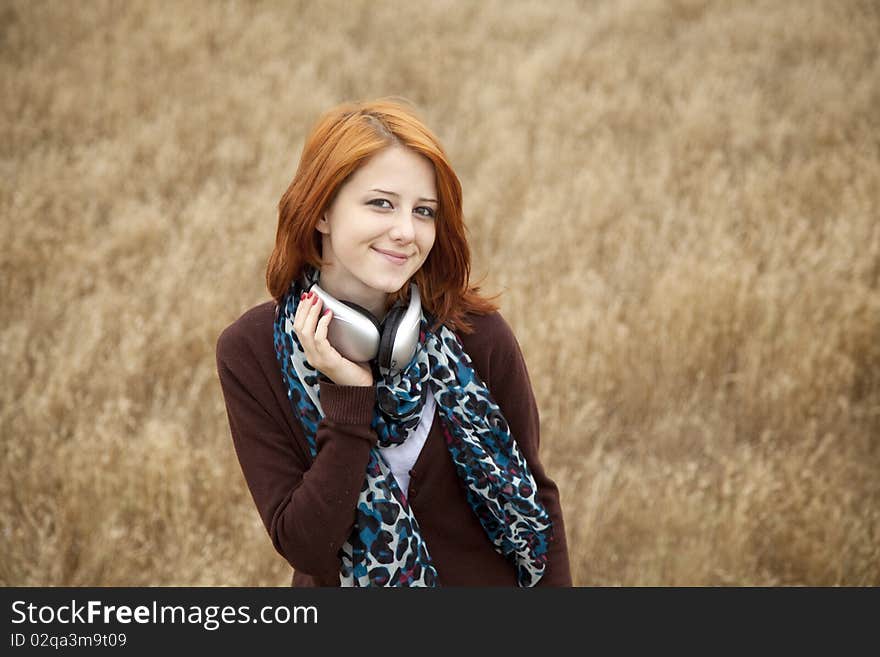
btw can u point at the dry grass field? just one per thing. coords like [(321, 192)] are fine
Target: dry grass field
[(679, 201)]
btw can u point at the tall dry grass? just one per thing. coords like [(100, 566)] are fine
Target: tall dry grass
[(679, 201)]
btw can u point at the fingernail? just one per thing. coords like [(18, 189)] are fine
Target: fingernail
[(302, 296), (314, 298), (326, 311)]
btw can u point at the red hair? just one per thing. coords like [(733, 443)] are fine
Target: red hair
[(341, 141)]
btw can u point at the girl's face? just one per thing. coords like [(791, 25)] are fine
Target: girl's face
[(380, 228)]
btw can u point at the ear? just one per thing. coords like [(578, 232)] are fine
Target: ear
[(323, 224)]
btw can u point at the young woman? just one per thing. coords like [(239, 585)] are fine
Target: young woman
[(380, 408)]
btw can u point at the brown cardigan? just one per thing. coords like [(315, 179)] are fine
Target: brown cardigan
[(308, 505)]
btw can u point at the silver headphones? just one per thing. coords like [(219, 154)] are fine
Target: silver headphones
[(357, 335)]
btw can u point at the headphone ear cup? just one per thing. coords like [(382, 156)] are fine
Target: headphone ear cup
[(389, 334), (363, 311), (354, 332)]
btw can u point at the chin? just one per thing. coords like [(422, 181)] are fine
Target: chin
[(391, 288), (389, 285)]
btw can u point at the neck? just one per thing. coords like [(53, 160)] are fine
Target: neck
[(372, 300)]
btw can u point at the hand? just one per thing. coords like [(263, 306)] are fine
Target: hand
[(310, 327)]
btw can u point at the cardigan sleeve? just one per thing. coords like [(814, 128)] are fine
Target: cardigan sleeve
[(511, 389), (308, 510)]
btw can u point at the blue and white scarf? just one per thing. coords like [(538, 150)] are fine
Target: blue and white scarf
[(385, 547)]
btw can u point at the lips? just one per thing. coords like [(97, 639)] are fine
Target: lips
[(392, 256)]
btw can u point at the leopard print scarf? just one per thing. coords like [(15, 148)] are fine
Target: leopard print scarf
[(385, 547)]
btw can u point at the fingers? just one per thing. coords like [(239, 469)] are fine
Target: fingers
[(325, 354), (311, 324), (322, 327), (299, 317), (307, 314), (311, 328)]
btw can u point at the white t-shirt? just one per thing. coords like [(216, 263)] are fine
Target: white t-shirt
[(401, 458)]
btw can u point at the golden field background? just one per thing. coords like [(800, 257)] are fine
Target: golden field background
[(678, 200)]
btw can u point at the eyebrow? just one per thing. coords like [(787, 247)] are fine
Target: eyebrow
[(429, 200)]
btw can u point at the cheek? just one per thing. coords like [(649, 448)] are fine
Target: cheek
[(357, 233), (428, 238)]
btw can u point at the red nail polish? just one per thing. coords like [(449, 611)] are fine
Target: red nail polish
[(314, 298), (326, 311), (302, 296)]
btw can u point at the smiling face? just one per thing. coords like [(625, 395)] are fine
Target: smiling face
[(379, 229)]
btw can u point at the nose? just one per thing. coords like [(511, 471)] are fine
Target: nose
[(403, 228)]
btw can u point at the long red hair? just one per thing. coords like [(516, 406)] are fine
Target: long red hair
[(341, 141)]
